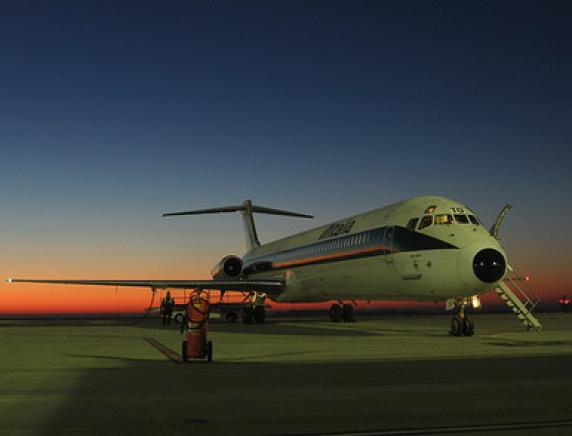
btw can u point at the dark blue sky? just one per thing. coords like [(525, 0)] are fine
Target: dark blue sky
[(113, 112)]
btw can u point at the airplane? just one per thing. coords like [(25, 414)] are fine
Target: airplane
[(427, 248)]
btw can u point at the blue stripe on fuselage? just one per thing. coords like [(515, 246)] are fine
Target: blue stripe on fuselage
[(374, 242)]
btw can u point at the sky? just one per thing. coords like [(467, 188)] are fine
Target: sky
[(112, 113)]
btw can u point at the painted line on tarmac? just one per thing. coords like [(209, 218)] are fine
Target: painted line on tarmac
[(459, 429), (170, 354)]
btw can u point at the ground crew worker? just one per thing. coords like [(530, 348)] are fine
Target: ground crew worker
[(167, 305)]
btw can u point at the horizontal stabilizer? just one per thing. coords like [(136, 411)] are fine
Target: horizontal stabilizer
[(241, 208), (246, 209)]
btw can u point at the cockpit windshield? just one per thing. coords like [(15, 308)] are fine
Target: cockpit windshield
[(461, 219), (444, 218), (412, 224), (426, 221)]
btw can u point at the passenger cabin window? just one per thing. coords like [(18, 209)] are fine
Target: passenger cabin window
[(474, 220), (444, 218), (426, 221), (412, 224), (462, 219)]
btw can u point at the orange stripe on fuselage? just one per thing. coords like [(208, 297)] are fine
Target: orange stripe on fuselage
[(332, 256)]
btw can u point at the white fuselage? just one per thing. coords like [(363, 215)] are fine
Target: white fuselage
[(384, 255)]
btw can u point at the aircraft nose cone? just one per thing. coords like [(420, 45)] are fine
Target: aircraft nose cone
[(489, 265)]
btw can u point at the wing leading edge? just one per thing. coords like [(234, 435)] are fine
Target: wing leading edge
[(268, 286)]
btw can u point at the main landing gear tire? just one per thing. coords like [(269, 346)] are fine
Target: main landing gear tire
[(340, 312), (348, 313), (259, 315), (462, 326), (251, 315), (336, 313), (247, 315)]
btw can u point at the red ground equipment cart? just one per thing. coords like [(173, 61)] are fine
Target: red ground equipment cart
[(196, 346)]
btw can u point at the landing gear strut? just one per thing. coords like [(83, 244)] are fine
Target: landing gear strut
[(461, 324), (342, 312), (254, 309)]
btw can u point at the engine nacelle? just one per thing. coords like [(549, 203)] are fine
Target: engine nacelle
[(228, 268)]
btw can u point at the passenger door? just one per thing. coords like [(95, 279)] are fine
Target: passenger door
[(388, 237), (405, 264)]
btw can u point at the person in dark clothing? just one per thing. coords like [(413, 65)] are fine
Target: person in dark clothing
[(167, 305)]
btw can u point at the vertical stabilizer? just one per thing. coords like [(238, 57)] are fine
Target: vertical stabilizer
[(252, 241), (246, 209)]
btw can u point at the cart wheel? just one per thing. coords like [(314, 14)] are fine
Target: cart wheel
[(184, 352), (209, 351)]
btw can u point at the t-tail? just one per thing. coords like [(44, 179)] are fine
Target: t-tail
[(246, 209)]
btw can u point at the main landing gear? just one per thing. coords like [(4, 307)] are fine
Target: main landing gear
[(461, 324), (254, 308), (253, 314), (342, 312)]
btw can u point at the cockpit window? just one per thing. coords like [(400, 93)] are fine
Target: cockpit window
[(412, 224), (462, 219), (444, 218), (474, 220), (426, 221)]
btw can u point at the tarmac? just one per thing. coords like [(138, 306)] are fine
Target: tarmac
[(380, 375)]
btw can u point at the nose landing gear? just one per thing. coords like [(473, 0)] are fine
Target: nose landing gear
[(461, 324)]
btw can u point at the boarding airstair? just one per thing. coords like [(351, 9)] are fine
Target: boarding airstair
[(520, 298)]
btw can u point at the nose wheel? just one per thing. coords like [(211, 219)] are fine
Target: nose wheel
[(461, 324)]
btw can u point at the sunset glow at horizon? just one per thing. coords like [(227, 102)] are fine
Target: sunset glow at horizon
[(29, 300)]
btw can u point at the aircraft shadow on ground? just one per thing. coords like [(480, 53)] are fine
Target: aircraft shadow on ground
[(146, 396), (150, 396)]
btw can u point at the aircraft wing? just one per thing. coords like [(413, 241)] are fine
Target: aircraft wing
[(268, 286)]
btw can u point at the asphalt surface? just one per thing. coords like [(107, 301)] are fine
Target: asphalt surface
[(392, 375)]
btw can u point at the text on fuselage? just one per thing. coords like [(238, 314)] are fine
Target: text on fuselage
[(337, 229)]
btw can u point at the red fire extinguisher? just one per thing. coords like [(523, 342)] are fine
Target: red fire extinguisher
[(196, 345)]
